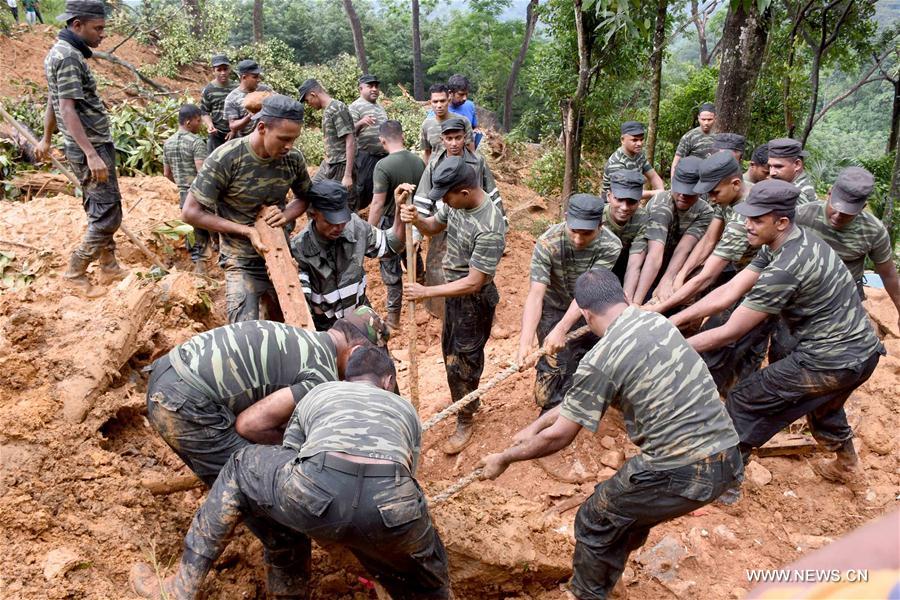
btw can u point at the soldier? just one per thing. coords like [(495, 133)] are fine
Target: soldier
[(630, 156), (330, 253), (212, 102), (733, 142), (561, 254), (786, 163), (236, 181), (367, 117), (625, 217), (398, 167), (675, 221), (699, 140), (339, 163), (430, 134), (759, 165), (183, 156), (475, 242), (239, 118), (345, 474), (798, 276), (74, 106), (643, 367)]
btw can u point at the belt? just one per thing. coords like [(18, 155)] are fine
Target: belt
[(326, 459)]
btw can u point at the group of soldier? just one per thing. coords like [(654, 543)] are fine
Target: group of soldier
[(302, 435)]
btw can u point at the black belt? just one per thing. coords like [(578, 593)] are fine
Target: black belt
[(326, 459)]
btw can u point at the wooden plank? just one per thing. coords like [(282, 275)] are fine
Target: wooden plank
[(786, 444), (283, 272)]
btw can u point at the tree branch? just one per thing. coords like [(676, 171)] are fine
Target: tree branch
[(865, 79), (122, 63), (837, 26)]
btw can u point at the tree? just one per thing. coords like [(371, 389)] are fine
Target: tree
[(656, 59), (358, 44), (700, 19), (531, 17), (571, 107), (257, 21), (418, 73)]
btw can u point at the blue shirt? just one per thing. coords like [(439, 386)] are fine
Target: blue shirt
[(466, 109)]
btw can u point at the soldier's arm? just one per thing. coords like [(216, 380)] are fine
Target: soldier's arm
[(531, 315), (427, 225), (712, 268), (69, 114), (350, 151), (43, 148), (742, 320), (235, 125), (701, 251), (685, 245), (205, 108), (723, 297), (376, 208), (888, 273), (471, 283), (632, 272), (547, 441), (194, 214), (167, 172), (556, 339), (264, 421), (649, 270), (655, 181)]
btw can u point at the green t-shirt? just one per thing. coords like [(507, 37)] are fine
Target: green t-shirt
[(734, 245), (666, 224), (695, 143), (633, 233), (212, 103), (392, 170), (620, 161)]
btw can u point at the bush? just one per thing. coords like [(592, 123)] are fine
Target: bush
[(140, 132), (311, 144)]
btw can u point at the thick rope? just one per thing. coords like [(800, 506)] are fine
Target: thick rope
[(456, 487), (494, 381)]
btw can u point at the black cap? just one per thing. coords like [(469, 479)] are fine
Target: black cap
[(453, 124), (329, 198), (687, 174), (707, 107), (280, 107), (219, 60), (452, 171), (768, 195), (585, 211), (785, 148), (92, 9), (632, 128), (713, 169), (627, 184), (851, 189), (367, 79), (248, 66), (729, 141), (760, 155), (306, 87)]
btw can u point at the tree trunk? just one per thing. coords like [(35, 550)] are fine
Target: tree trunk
[(531, 15), (895, 120), (894, 194), (257, 21), (656, 59), (700, 24), (418, 74), (572, 110), (745, 34), (196, 16), (358, 42)]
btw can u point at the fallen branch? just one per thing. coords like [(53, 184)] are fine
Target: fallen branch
[(162, 487), (123, 63), (19, 245)]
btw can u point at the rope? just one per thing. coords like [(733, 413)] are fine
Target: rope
[(456, 487), (493, 382)]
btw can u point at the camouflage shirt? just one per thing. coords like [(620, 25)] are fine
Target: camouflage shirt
[(235, 183), (392, 170), (332, 272), (430, 134), (233, 108), (807, 283), (427, 207), (864, 236), (179, 153), (645, 368), (632, 234), (667, 225), (620, 161), (695, 143), (337, 124), (212, 103), (734, 245), (68, 76), (476, 238), (807, 189), (556, 262), (358, 419), (367, 139), (239, 364)]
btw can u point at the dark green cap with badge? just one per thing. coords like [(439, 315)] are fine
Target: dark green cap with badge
[(767, 196), (632, 128), (785, 148), (453, 124), (760, 155), (851, 189), (730, 141), (367, 79), (218, 60), (248, 67), (367, 321), (451, 172), (278, 106), (687, 174), (329, 198), (707, 107), (627, 184), (585, 211), (306, 87), (90, 9), (713, 169)]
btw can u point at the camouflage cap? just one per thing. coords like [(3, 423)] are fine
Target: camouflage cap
[(370, 324)]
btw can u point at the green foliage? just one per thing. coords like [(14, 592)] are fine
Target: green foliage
[(15, 277), (311, 145), (172, 232), (139, 133), (882, 168), (681, 100), (410, 114), (277, 62), (546, 176)]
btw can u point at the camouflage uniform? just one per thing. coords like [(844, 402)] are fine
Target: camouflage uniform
[(392, 170), (368, 147), (233, 108), (645, 368), (377, 511), (475, 240), (695, 143), (180, 153), (556, 263), (619, 161), (807, 189), (235, 185), (667, 225), (837, 350), (632, 235), (337, 124), (430, 133), (212, 104), (332, 273), (69, 77)]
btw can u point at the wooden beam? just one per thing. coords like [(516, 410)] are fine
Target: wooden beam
[(283, 272)]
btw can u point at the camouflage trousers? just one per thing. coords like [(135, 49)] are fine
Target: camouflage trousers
[(467, 327), (554, 373), (199, 250), (365, 167), (336, 171), (616, 519), (381, 517), (771, 399), (247, 286), (736, 361), (102, 201)]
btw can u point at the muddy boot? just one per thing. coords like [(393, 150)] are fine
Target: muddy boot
[(76, 277), (843, 469), (147, 583), (461, 438), (393, 320), (109, 267), (281, 584)]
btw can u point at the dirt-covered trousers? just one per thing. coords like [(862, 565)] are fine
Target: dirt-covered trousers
[(554, 373), (736, 361), (102, 201), (467, 327), (365, 167), (771, 399), (247, 285), (377, 511), (199, 249), (617, 517)]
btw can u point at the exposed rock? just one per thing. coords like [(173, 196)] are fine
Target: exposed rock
[(809, 542), (757, 474), (608, 442), (59, 561), (722, 536), (662, 560), (613, 458)]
